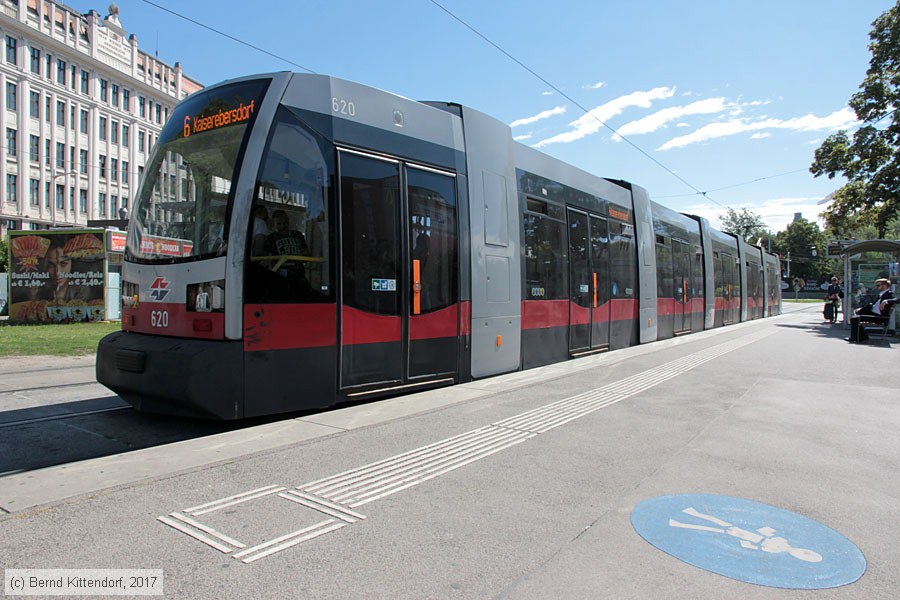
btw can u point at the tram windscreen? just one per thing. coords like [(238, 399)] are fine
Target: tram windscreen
[(182, 206)]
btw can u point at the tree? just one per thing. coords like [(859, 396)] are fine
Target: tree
[(4, 255), (870, 160), (805, 244), (746, 224)]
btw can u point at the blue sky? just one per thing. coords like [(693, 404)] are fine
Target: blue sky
[(721, 93)]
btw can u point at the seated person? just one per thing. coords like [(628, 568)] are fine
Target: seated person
[(283, 240), (872, 313)]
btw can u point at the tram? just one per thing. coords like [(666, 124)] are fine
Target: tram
[(300, 241)]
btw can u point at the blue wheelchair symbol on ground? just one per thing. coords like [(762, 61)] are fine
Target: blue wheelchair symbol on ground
[(749, 541)]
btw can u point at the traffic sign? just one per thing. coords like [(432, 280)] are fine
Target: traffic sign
[(749, 541)]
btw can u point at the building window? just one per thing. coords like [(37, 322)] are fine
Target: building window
[(11, 50), (114, 169), (82, 200), (34, 148), (47, 195), (34, 187), (72, 116), (102, 128), (102, 166), (85, 83), (115, 95), (11, 189), (114, 132), (158, 113), (48, 65), (142, 106), (60, 71), (35, 61), (47, 108), (71, 158), (104, 87), (60, 155), (125, 130), (47, 152), (140, 140), (34, 108), (11, 91), (60, 113), (113, 201), (72, 200), (84, 121), (101, 204), (83, 161), (60, 197), (74, 81), (124, 171), (126, 100), (10, 141)]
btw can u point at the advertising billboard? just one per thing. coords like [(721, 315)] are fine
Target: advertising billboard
[(56, 276)]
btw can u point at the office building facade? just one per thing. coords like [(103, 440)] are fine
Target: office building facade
[(80, 108)]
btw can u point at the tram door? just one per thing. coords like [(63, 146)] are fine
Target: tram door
[(681, 261), (399, 273), (589, 282), (730, 275)]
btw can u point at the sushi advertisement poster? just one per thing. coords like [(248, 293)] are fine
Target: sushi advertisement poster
[(57, 276)]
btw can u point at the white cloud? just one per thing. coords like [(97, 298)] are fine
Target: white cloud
[(657, 120), (546, 93), (840, 119), (760, 136), (538, 117), (594, 120), (522, 138), (595, 86)]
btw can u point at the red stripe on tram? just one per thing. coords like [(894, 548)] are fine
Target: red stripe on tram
[(287, 326)]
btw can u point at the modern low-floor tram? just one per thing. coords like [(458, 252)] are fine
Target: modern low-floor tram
[(300, 241)]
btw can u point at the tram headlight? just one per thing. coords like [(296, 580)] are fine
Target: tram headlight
[(208, 296)]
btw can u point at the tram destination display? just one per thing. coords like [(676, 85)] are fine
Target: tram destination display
[(57, 276)]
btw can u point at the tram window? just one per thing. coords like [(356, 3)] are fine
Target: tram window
[(370, 217), (433, 236), (545, 269), (536, 206), (623, 259), (288, 229)]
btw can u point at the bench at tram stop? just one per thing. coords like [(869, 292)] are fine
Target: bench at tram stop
[(881, 329)]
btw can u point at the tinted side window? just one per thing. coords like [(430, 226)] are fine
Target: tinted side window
[(545, 267)]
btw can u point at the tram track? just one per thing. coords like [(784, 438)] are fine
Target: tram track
[(62, 416), (47, 387)]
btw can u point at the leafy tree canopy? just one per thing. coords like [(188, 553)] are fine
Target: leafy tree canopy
[(805, 244), (746, 224), (4, 255), (870, 158)]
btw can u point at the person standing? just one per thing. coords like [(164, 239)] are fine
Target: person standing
[(832, 300)]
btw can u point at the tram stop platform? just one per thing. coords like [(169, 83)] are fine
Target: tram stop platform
[(760, 460)]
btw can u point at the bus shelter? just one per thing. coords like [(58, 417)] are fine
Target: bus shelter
[(864, 262)]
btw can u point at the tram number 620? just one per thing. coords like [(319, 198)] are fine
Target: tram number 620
[(343, 107), (159, 318)]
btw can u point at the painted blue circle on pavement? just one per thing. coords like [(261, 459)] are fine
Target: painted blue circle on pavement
[(749, 541)]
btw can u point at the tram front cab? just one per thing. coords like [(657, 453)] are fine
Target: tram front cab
[(230, 305)]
